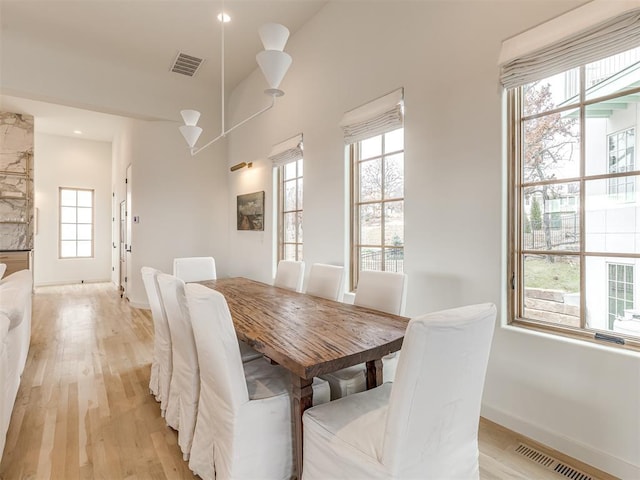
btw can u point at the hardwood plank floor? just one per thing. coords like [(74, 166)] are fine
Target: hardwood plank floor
[(84, 410)]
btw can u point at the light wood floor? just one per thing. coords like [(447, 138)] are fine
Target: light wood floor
[(84, 408)]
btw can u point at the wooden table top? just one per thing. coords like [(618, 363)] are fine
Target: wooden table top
[(308, 335)]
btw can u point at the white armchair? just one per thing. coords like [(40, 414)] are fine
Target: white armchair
[(289, 275), (184, 391), (162, 364), (383, 291), (425, 424), (325, 281), (194, 269), (243, 430)]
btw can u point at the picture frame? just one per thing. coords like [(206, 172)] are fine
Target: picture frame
[(250, 211)]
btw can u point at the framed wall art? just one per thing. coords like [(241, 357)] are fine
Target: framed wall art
[(251, 211)]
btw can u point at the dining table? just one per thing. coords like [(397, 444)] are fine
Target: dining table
[(309, 336)]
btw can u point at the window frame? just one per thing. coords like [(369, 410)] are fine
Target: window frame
[(515, 218), (299, 244), (61, 223), (355, 203)]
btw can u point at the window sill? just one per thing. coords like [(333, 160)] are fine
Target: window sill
[(586, 339)]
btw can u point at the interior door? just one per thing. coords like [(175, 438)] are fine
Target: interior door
[(128, 230), (123, 246)]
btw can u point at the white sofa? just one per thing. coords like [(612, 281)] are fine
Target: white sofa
[(15, 336)]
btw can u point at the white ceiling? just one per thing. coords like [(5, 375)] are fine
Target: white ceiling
[(145, 35)]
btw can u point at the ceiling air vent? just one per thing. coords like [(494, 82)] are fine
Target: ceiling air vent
[(186, 64)]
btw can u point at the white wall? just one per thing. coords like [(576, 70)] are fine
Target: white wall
[(70, 162), (181, 201), (578, 398)]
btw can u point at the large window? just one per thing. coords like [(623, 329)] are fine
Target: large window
[(76, 223), (378, 203), (290, 218), (574, 216), (287, 161)]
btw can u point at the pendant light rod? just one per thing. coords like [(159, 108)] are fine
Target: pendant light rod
[(195, 151), (222, 89)]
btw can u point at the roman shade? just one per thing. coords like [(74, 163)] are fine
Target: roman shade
[(594, 31), (287, 151), (379, 116)]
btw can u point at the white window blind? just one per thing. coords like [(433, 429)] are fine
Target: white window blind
[(287, 151), (594, 31), (374, 118)]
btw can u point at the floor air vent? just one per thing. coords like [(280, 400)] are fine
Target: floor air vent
[(551, 463), (186, 64)]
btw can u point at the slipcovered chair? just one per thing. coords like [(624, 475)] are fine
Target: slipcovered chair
[(383, 291), (162, 364), (425, 424), (289, 275), (194, 269), (325, 281), (243, 429), (6, 404), (184, 391)]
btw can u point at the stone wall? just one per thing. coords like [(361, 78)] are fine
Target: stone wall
[(16, 181)]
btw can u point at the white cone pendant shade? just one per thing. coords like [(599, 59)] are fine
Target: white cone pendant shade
[(274, 36), (273, 62), (274, 65), (191, 133), (190, 117)]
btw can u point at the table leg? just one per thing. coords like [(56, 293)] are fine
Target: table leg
[(302, 398), (374, 373)]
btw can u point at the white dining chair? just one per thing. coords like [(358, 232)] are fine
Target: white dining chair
[(325, 281), (184, 390), (425, 424), (243, 428), (162, 364), (194, 269), (385, 292), (289, 275)]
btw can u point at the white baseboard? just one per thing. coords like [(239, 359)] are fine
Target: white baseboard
[(70, 282), (569, 446)]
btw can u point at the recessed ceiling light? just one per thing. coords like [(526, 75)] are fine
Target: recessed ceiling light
[(223, 17), (78, 132)]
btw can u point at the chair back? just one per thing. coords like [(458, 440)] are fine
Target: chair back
[(289, 275), (383, 291), (194, 269), (325, 281), (434, 408), (160, 371), (221, 370), (175, 305), (184, 391)]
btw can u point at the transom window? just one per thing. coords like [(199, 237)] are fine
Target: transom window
[(76, 223), (575, 219), (378, 203)]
